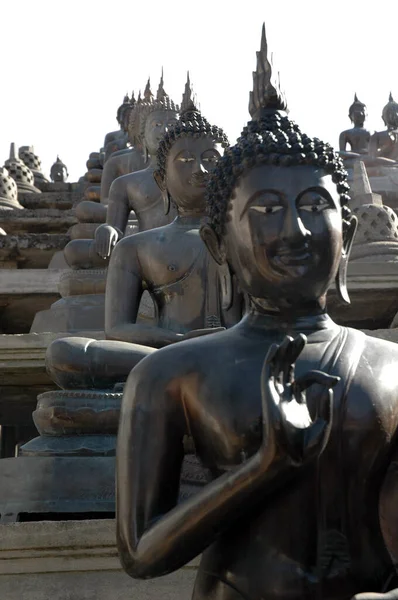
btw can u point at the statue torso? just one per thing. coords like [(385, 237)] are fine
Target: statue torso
[(179, 274), (145, 199), (358, 138), (271, 552), (387, 143)]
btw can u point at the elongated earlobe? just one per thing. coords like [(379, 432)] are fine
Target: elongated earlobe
[(213, 243), (341, 277), (166, 202)]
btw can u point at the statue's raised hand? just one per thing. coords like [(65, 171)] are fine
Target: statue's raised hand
[(106, 237), (287, 423)]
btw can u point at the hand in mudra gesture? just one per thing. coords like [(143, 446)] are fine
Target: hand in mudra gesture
[(287, 423)]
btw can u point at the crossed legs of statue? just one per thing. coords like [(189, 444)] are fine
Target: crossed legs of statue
[(82, 363)]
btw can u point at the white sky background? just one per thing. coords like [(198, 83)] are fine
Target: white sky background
[(65, 66)]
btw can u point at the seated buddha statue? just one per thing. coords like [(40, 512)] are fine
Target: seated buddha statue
[(122, 142), (138, 191), (191, 294), (384, 144), (119, 133), (154, 118), (357, 138), (295, 417), (130, 159)]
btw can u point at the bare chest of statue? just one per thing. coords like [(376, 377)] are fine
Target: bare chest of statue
[(182, 279), (145, 199)]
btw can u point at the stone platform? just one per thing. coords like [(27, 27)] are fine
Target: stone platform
[(76, 560)]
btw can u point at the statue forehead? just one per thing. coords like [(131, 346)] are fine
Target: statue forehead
[(287, 180), (194, 144), (160, 113)]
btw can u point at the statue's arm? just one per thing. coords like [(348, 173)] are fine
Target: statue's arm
[(342, 141), (118, 211), (124, 289), (109, 174), (156, 536)]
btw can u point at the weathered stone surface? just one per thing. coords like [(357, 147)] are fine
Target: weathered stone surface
[(41, 220), (83, 231), (30, 251), (81, 282), (76, 560), (73, 314)]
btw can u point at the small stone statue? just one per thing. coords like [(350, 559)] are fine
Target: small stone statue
[(192, 295), (138, 191), (295, 417), (357, 138), (384, 144), (59, 171)]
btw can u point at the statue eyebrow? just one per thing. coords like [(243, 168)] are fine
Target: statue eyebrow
[(257, 195)]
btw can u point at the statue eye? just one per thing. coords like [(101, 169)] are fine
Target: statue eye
[(210, 159), (158, 124), (185, 159), (267, 210), (314, 203)]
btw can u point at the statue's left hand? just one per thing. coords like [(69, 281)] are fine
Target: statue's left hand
[(285, 411), (106, 237)]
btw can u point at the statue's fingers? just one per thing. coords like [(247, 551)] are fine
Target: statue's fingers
[(282, 359), (392, 595), (311, 377)]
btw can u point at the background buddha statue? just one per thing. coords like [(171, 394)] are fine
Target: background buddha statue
[(296, 430), (119, 133), (130, 159), (121, 142), (384, 144), (357, 138), (59, 171), (138, 191), (191, 294)]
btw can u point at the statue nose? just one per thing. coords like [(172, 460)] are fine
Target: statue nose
[(294, 230)]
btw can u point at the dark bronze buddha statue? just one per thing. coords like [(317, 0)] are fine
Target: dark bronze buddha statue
[(191, 293), (298, 432), (384, 144), (59, 171), (357, 138), (138, 191), (119, 133)]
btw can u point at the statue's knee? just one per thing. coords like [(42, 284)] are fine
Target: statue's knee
[(67, 362), (78, 254)]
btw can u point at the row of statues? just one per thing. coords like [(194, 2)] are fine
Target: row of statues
[(379, 148), (293, 417)]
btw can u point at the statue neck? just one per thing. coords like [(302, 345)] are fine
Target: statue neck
[(289, 323), (190, 219), (290, 317)]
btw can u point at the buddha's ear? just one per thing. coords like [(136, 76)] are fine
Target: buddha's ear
[(213, 243), (349, 228), (165, 193)]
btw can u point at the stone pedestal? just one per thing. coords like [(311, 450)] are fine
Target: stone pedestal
[(76, 560)]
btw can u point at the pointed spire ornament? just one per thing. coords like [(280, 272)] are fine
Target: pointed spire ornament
[(161, 93), (189, 103), (267, 94), (147, 92)]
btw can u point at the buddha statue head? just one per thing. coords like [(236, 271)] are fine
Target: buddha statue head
[(187, 154), (121, 110), (357, 112), (390, 113), (277, 207), (59, 172), (156, 115), (21, 174)]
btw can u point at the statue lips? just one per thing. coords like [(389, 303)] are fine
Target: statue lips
[(286, 258), (198, 180)]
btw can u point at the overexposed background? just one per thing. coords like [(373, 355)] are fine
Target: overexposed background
[(66, 66)]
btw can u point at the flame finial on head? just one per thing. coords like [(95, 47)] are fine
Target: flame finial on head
[(267, 94), (148, 92), (161, 93), (189, 101)]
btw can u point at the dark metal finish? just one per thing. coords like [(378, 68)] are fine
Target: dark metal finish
[(297, 432)]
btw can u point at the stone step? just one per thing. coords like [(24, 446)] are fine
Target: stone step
[(40, 220), (30, 250)]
